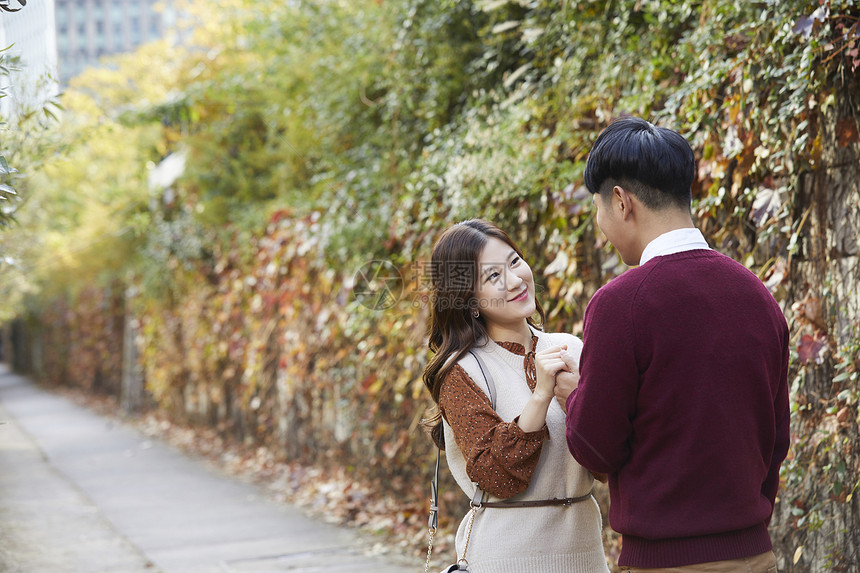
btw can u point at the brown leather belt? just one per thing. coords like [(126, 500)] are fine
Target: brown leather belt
[(536, 502)]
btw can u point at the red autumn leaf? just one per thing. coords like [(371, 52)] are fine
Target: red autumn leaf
[(846, 132), (368, 380), (812, 348)]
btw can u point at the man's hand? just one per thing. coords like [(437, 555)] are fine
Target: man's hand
[(567, 380)]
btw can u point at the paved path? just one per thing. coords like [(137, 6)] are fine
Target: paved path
[(80, 493)]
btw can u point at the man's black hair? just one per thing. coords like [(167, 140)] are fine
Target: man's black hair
[(654, 163)]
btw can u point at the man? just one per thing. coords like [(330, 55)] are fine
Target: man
[(683, 394)]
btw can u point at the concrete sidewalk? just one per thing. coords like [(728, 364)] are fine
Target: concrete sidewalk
[(80, 493)]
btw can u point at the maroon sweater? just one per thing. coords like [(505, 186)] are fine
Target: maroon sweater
[(683, 401)]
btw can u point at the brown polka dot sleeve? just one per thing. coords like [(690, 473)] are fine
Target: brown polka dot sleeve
[(500, 456)]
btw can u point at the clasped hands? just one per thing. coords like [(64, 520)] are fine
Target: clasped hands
[(557, 374)]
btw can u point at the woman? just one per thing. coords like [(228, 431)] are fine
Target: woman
[(502, 430)]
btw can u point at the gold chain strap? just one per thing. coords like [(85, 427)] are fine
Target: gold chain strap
[(429, 549), (462, 559), (465, 549)]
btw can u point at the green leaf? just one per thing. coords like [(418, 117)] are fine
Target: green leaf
[(843, 376), (4, 167)]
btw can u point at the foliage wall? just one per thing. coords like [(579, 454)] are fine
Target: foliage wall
[(320, 137)]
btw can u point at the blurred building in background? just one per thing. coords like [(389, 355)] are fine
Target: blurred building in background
[(87, 30), (29, 30), (55, 40)]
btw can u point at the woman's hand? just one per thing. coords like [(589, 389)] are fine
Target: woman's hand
[(548, 363)]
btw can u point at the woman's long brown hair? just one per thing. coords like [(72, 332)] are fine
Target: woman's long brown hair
[(453, 328)]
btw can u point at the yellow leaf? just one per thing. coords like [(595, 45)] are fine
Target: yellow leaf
[(375, 387), (797, 553)]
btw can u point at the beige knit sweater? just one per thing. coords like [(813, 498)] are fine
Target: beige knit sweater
[(551, 539)]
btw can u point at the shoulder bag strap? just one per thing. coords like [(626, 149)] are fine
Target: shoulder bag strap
[(478, 498), (488, 378), (434, 494)]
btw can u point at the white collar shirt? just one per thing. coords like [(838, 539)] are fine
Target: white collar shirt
[(677, 241)]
